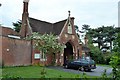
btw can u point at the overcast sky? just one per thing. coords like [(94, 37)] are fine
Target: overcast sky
[(92, 12)]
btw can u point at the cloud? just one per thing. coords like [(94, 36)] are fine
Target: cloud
[(92, 12)]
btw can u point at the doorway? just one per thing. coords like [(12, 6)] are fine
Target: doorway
[(68, 52)]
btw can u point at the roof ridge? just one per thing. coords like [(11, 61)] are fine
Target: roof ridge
[(50, 22), (63, 20), (40, 20)]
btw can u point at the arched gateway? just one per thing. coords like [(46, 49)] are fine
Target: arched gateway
[(68, 52), (64, 29)]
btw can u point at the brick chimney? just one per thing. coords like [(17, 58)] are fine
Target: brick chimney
[(24, 27)]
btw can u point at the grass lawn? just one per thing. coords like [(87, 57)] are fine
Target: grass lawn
[(35, 72), (0, 72)]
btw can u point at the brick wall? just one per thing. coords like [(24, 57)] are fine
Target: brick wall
[(16, 52), (36, 61)]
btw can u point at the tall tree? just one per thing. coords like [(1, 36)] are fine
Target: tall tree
[(78, 32), (85, 27), (103, 35), (95, 52)]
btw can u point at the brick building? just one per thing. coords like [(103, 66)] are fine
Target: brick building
[(64, 29), (17, 51)]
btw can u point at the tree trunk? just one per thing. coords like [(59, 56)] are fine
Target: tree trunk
[(43, 57), (110, 46), (99, 45)]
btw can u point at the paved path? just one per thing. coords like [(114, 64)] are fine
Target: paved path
[(96, 72), (99, 71)]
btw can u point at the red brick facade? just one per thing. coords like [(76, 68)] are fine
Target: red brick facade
[(21, 52), (63, 38), (16, 52)]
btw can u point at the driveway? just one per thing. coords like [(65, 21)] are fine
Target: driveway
[(96, 72)]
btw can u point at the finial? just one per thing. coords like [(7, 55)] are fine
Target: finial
[(69, 13)]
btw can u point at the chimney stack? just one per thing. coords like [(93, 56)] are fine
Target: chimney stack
[(25, 14), (25, 6)]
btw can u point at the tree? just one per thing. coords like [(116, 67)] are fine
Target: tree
[(86, 28), (78, 32), (103, 35), (98, 35), (17, 25), (46, 43), (95, 52)]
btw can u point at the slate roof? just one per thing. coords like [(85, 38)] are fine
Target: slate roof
[(46, 27)]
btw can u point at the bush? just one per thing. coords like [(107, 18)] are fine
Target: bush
[(115, 63), (107, 57), (8, 76)]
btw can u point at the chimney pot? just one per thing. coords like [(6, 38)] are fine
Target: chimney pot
[(25, 0)]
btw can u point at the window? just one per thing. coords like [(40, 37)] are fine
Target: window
[(37, 56), (69, 28), (43, 57), (40, 56)]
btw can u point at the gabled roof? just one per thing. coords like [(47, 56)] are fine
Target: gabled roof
[(58, 26), (46, 27), (40, 26)]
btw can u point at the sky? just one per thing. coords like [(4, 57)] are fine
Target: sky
[(91, 12)]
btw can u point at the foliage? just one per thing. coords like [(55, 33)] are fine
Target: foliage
[(78, 32), (43, 72), (84, 76), (96, 54), (47, 43), (17, 25), (107, 57), (95, 51), (115, 59), (11, 77), (104, 75), (86, 28), (103, 35), (115, 63)]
